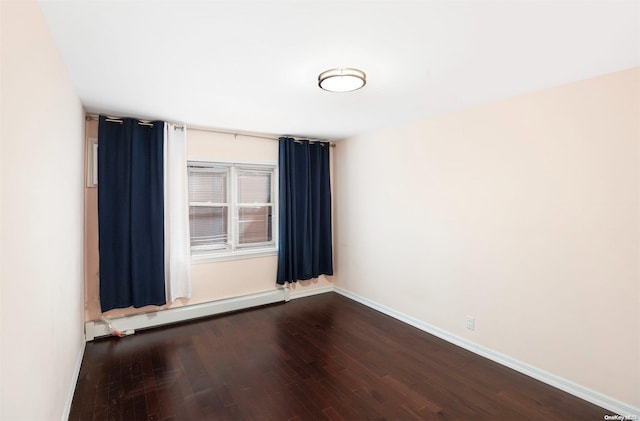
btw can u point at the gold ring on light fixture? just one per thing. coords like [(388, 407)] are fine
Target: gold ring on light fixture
[(342, 79)]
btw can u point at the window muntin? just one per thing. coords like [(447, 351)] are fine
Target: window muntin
[(231, 209)]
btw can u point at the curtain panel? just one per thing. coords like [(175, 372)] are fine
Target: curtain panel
[(177, 257), (131, 213), (305, 236)]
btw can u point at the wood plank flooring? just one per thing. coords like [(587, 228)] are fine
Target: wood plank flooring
[(321, 357)]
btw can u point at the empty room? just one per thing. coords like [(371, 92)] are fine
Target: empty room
[(306, 210)]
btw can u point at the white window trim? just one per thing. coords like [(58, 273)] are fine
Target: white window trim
[(238, 252), (92, 163)]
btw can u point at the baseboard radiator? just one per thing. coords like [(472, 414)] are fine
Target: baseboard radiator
[(96, 328)]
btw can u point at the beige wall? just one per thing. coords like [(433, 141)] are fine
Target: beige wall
[(211, 281), (522, 213), (41, 221)]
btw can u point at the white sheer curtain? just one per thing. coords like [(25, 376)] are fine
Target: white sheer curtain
[(177, 257)]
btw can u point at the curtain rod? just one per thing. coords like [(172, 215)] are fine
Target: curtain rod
[(207, 129)]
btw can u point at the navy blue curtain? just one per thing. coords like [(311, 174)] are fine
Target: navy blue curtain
[(130, 213), (305, 249)]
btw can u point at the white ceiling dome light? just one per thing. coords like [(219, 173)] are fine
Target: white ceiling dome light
[(343, 79)]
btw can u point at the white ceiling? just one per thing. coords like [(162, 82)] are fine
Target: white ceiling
[(253, 66)]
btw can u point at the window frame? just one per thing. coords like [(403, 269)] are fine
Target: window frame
[(233, 250)]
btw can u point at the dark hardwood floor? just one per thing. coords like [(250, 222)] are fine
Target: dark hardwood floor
[(321, 357)]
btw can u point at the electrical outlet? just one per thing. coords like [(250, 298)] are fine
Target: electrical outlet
[(471, 323)]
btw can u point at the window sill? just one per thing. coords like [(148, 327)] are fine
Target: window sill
[(237, 255)]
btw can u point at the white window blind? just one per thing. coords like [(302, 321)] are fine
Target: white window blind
[(208, 207), (255, 209)]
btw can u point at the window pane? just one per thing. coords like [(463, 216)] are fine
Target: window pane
[(208, 185), (254, 187), (208, 225), (254, 224)]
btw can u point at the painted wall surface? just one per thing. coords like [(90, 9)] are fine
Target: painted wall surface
[(522, 213), (41, 221), (211, 281)]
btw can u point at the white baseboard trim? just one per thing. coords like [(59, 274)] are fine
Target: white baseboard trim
[(96, 328), (74, 382), (309, 292), (589, 395)]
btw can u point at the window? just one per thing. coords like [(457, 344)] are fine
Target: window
[(232, 210)]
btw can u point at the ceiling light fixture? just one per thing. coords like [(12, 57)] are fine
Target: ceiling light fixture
[(343, 79)]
